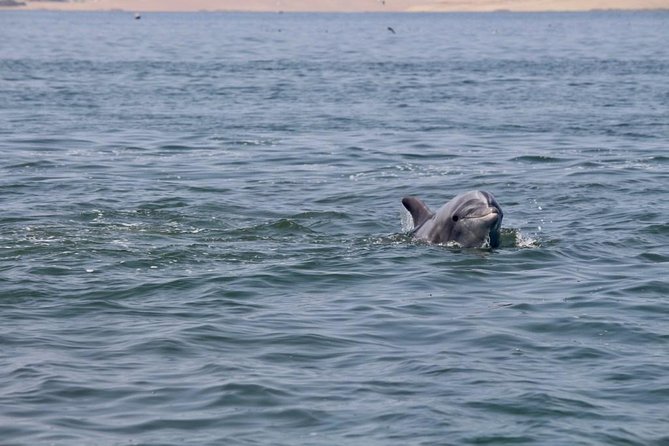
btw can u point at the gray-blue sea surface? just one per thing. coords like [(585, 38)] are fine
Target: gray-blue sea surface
[(202, 241)]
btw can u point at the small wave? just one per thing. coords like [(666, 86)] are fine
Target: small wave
[(281, 227), (318, 215), (246, 142), (37, 165), (537, 159), (286, 225), (657, 229), (653, 257), (659, 159)]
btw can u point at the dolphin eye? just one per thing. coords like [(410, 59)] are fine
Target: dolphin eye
[(456, 218)]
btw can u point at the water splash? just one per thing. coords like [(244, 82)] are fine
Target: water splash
[(517, 239)]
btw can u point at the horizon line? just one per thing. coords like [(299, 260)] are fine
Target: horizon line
[(307, 11)]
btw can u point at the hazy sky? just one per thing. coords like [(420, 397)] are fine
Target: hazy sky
[(337, 5)]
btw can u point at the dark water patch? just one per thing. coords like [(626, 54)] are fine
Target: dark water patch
[(652, 257), (32, 166), (285, 227), (659, 159), (540, 404), (500, 439), (324, 216), (538, 159), (45, 144), (649, 287), (148, 209), (241, 395), (661, 229), (162, 347), (585, 354)]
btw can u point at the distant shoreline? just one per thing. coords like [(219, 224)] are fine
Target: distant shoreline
[(244, 11), (336, 6)]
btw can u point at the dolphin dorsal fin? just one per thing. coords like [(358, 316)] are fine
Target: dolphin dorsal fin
[(418, 210)]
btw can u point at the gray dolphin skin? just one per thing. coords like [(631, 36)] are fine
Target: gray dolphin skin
[(471, 220)]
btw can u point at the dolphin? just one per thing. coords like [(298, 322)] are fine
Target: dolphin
[(470, 220)]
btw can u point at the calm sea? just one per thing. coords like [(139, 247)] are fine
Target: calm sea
[(202, 241)]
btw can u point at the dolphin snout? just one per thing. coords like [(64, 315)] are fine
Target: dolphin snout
[(485, 212), (496, 219), (496, 213), (492, 217)]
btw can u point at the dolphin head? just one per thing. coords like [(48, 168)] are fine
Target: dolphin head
[(473, 220)]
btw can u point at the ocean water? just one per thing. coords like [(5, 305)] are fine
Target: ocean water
[(202, 241)]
